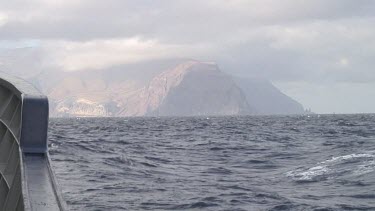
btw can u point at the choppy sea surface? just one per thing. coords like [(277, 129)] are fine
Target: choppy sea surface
[(313, 162)]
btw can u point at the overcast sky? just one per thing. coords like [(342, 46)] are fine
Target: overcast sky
[(320, 52)]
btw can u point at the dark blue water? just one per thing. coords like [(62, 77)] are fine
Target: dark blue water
[(217, 163)]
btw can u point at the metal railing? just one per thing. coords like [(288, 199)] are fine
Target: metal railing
[(26, 178)]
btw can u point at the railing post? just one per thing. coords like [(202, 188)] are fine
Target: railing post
[(34, 124)]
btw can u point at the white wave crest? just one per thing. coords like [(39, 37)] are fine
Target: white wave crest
[(336, 167), (348, 157)]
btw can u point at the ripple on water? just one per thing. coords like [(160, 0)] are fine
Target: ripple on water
[(221, 163)]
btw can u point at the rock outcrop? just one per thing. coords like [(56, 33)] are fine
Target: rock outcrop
[(194, 88)]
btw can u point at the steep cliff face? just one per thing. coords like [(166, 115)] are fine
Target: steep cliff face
[(195, 88)]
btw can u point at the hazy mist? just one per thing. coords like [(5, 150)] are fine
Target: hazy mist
[(318, 52)]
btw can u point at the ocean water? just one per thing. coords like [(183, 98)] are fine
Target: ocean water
[(313, 162)]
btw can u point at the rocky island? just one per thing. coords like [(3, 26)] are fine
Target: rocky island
[(173, 88)]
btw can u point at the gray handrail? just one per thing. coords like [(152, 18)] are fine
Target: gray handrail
[(27, 181)]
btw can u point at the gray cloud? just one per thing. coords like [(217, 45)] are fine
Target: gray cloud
[(173, 20)]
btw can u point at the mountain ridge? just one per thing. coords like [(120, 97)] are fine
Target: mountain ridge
[(161, 88)]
